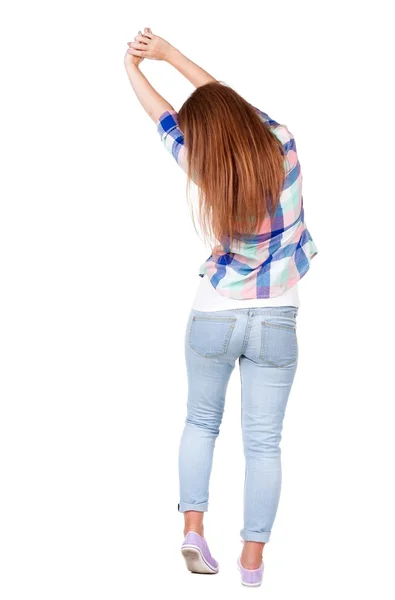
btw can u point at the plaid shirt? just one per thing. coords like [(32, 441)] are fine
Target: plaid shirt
[(276, 258)]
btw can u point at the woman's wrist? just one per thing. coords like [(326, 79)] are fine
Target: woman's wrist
[(131, 67)]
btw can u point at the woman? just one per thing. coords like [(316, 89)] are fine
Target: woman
[(250, 204)]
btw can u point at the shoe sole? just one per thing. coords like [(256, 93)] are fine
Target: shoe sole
[(196, 562)]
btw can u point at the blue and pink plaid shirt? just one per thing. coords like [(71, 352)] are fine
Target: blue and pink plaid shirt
[(272, 261)]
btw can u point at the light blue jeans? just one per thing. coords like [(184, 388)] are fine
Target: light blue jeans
[(265, 342)]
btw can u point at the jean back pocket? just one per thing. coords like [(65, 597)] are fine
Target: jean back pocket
[(279, 346), (210, 335)]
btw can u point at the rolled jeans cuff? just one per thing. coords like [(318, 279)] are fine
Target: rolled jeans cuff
[(253, 536), (184, 506)]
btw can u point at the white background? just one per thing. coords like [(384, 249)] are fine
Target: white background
[(99, 264)]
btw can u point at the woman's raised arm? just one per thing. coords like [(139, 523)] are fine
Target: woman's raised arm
[(152, 102)]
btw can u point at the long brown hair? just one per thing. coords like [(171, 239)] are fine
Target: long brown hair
[(234, 158)]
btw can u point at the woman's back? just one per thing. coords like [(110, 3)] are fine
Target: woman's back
[(270, 262)]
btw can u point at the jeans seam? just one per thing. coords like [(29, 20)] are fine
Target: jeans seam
[(247, 333)]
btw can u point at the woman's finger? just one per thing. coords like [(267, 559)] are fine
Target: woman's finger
[(134, 52), (138, 46), (148, 32), (142, 39), (131, 43)]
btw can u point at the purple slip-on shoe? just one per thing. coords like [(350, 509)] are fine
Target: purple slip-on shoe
[(250, 577), (197, 555)]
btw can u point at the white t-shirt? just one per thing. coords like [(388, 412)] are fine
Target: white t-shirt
[(207, 299)]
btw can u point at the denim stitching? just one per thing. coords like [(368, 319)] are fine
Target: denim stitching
[(222, 319), (280, 326)]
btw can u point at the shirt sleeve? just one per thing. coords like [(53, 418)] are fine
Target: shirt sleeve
[(281, 132), (265, 117), (173, 138)]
